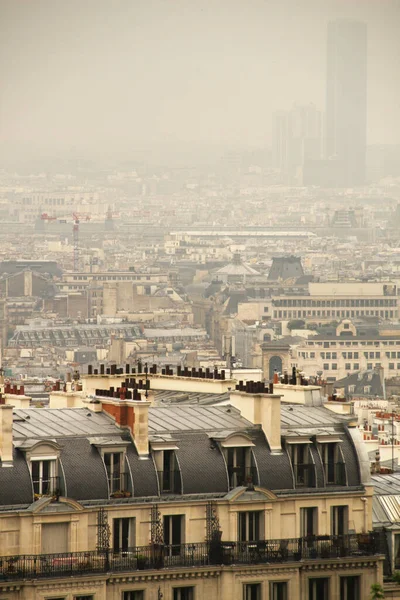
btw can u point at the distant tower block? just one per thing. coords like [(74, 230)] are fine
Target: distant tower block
[(285, 268)]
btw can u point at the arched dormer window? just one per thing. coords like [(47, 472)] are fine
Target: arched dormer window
[(166, 461), (43, 462), (113, 453), (240, 462)]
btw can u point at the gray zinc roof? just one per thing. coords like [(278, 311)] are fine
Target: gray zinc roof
[(196, 418), (386, 484), (65, 422), (294, 416)]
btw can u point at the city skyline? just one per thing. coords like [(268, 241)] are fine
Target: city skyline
[(177, 75)]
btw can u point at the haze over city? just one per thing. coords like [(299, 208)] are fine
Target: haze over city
[(168, 76), (199, 300)]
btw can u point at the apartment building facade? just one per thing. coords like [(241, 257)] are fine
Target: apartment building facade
[(346, 351), (336, 301), (108, 496)]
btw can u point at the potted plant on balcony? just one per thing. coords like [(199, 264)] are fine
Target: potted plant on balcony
[(325, 550), (120, 494), (297, 554), (215, 550), (142, 561), (85, 565), (377, 592), (157, 555)]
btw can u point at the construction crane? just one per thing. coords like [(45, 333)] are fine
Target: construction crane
[(76, 219)]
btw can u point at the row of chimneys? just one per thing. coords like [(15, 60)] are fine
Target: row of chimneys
[(14, 389), (255, 387), (296, 378), (122, 393), (167, 370)]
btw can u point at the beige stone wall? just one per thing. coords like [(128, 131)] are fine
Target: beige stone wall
[(20, 533), (214, 583)]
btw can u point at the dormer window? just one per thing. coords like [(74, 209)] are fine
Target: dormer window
[(302, 464), (237, 450), (332, 459), (113, 454), (115, 473), (42, 459), (44, 476), (241, 469), (165, 458), (171, 478)]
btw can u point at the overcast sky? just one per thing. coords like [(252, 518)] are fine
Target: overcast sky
[(119, 75)]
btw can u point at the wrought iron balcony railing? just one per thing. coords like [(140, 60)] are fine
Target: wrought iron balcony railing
[(159, 556)]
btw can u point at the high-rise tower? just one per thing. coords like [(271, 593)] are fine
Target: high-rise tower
[(346, 99)]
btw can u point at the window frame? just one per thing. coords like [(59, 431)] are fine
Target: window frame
[(52, 473), (339, 519), (115, 482), (307, 517), (344, 593), (247, 591), (131, 535), (177, 592), (272, 593), (314, 594), (254, 529)]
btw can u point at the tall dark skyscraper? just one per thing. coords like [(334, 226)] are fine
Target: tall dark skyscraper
[(346, 99)]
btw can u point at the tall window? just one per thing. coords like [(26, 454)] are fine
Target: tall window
[(114, 463), (170, 478), (43, 476), (174, 533), (334, 466), (241, 469), (278, 590), (350, 588), (250, 526), (303, 467), (308, 521), (184, 593), (318, 588), (252, 591), (123, 534), (339, 520)]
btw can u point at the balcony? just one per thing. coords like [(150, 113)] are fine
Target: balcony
[(304, 475), (46, 486), (242, 476), (201, 554), (170, 481)]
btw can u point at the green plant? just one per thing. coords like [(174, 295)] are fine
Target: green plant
[(296, 324), (396, 576), (377, 592)]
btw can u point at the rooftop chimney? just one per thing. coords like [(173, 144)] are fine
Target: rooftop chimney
[(6, 439), (133, 415), (261, 409)]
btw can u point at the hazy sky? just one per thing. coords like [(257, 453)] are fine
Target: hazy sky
[(115, 75)]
